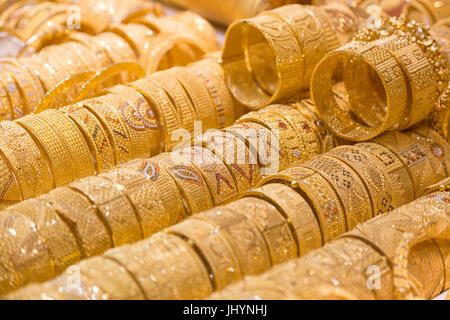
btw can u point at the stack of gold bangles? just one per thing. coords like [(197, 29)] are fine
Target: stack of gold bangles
[(307, 159)]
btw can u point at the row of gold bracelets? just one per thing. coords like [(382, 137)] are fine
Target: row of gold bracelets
[(28, 26), (81, 66), (393, 79), (271, 57), (141, 197), (292, 213), (401, 255), (55, 147)]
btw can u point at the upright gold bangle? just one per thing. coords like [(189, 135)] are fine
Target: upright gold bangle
[(170, 194), (74, 140), (113, 207), (189, 180), (28, 164), (281, 68)]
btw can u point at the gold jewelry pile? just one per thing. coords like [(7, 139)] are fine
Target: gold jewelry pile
[(130, 177)]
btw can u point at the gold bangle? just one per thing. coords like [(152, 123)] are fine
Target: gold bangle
[(160, 45), (423, 151), (116, 47), (272, 38), (349, 187), (320, 194), (29, 84), (11, 192), (215, 83), (29, 166), (297, 212), (185, 266), (261, 141), (216, 174), (113, 207), (422, 80), (21, 267), (221, 260), (199, 26), (307, 129), (95, 135), (6, 112), (189, 180), (116, 128), (149, 257), (80, 214), (390, 74), (241, 162), (168, 189), (145, 140), (137, 36), (272, 224), (58, 238), (199, 95), (314, 45), (110, 277), (376, 180), (163, 113), (16, 99), (74, 141), (289, 141), (88, 41), (397, 172), (144, 196), (243, 236), (53, 147), (179, 97)]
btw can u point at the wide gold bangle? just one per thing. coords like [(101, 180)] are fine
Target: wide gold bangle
[(53, 146), (423, 151), (261, 141), (163, 114), (390, 75), (79, 212), (216, 174), (95, 135), (376, 180), (297, 212), (160, 45), (115, 128), (200, 98), (215, 83), (272, 224), (189, 180), (58, 237), (113, 207), (244, 237), (137, 36), (276, 61), (320, 195), (28, 164), (144, 196), (215, 249), (11, 192), (179, 97), (21, 267), (171, 195), (290, 144), (74, 140), (131, 102), (240, 160), (349, 187)]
